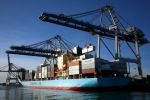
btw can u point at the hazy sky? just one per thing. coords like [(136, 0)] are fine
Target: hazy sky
[(19, 24)]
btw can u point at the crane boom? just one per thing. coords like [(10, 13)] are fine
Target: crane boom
[(63, 20), (29, 54), (41, 50)]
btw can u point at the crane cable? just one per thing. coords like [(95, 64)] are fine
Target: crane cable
[(84, 14)]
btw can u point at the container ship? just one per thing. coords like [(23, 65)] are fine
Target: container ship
[(83, 72), (79, 68)]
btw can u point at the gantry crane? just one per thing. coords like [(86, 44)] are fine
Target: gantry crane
[(50, 49), (12, 71), (115, 30)]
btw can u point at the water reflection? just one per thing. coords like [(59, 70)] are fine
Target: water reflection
[(7, 93)]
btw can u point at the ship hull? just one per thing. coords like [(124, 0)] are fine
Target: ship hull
[(78, 84)]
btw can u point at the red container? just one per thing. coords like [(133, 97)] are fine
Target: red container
[(74, 63), (88, 71)]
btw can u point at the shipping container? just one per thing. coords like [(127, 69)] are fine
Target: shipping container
[(44, 72), (74, 63), (23, 75), (77, 67), (86, 56), (95, 64), (119, 66), (61, 61), (77, 50), (87, 49), (27, 75), (40, 75), (35, 76), (48, 71), (31, 75), (104, 67), (98, 64), (88, 71), (51, 71), (74, 72), (89, 63), (39, 69), (74, 67)]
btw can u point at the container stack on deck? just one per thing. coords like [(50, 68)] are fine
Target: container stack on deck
[(38, 72), (44, 72), (51, 71), (32, 75), (89, 66), (27, 75), (119, 67), (83, 65), (74, 68)]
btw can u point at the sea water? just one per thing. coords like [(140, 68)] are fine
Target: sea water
[(20, 93)]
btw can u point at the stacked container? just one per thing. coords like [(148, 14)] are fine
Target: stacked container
[(88, 48), (38, 71), (39, 75), (44, 71), (48, 71), (95, 65), (51, 71), (61, 61), (74, 67), (85, 56), (89, 65), (27, 75), (119, 66), (32, 75), (35, 76), (77, 50)]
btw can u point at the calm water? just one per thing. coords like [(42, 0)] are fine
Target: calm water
[(7, 93)]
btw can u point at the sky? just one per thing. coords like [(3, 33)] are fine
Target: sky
[(20, 25)]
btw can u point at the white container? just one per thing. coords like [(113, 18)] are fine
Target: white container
[(88, 63), (39, 70), (88, 49), (40, 75), (91, 60), (75, 51), (85, 56), (61, 61), (35, 76), (74, 72), (74, 67), (44, 72)]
